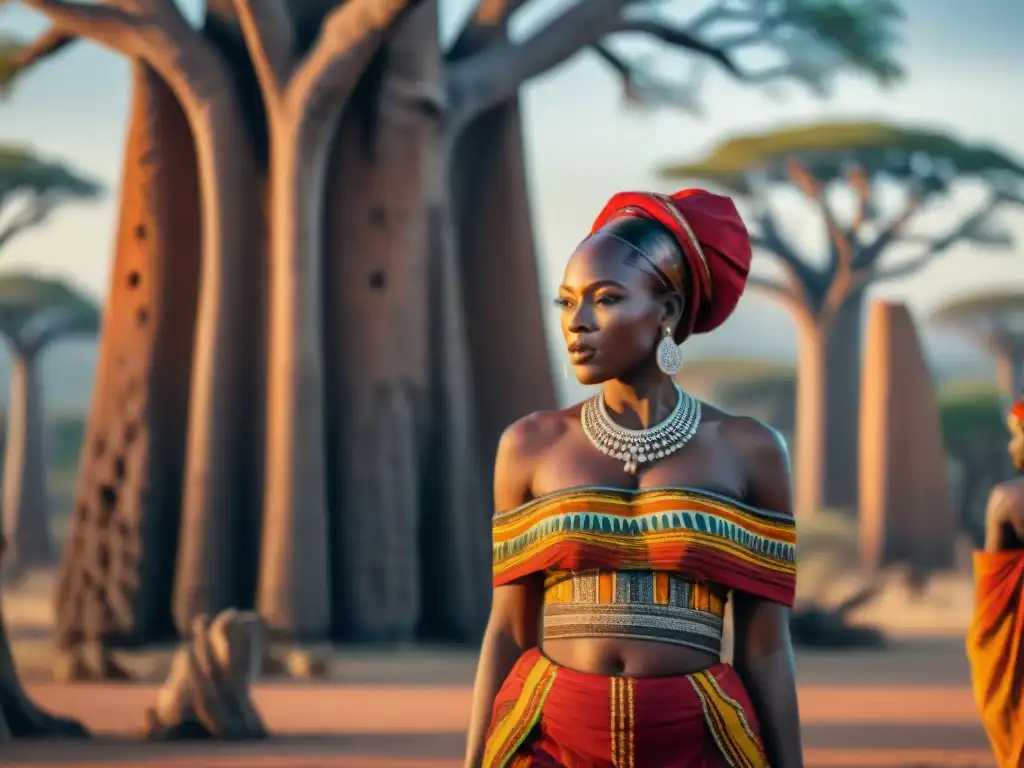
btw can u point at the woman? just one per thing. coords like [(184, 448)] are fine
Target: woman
[(624, 523), (997, 628)]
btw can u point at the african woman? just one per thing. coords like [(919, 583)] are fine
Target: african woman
[(626, 522), (997, 629)]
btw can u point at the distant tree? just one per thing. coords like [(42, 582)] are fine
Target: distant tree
[(994, 319), (826, 295), (34, 313), (32, 188)]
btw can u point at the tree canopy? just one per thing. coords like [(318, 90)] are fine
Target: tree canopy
[(36, 310), (981, 305), (831, 150), (815, 157), (33, 187)]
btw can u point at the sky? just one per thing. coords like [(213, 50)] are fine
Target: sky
[(964, 64)]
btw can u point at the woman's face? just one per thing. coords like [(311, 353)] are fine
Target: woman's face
[(611, 317), (1016, 447)]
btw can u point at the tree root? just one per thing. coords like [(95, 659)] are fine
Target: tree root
[(19, 716), (207, 693), (88, 662)]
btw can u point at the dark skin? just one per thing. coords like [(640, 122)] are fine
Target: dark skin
[(613, 314), (1004, 516)]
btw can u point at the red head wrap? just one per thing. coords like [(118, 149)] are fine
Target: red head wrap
[(713, 240), (1017, 409)]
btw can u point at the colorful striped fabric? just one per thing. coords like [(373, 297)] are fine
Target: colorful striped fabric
[(707, 537)]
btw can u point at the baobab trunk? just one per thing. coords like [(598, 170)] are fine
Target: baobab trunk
[(117, 568), (841, 411), (214, 516), (383, 174), (291, 596), (497, 264), (26, 523), (456, 533), (811, 402)]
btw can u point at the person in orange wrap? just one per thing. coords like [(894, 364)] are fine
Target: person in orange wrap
[(997, 628), (624, 524)]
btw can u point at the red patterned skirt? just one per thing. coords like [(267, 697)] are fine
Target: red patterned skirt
[(546, 716)]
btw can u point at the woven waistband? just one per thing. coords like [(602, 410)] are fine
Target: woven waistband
[(640, 605)]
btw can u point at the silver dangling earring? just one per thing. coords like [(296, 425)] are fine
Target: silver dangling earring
[(565, 371), (669, 359)]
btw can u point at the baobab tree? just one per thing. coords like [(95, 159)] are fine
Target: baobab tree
[(423, 174), (995, 320), (35, 312), (825, 296)]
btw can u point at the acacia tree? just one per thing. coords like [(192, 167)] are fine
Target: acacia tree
[(428, 252), (31, 189), (826, 296), (995, 320), (35, 312)]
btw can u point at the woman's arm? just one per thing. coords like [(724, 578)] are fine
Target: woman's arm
[(763, 652), (515, 608)]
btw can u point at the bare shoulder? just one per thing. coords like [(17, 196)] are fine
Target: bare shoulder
[(763, 456), (753, 439), (1006, 496), (521, 448)]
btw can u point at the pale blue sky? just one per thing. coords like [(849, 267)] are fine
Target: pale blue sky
[(965, 62)]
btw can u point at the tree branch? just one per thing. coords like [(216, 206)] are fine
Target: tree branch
[(32, 216), (349, 37), (102, 23), (781, 293), (484, 80), (868, 255), (269, 35), (49, 43), (685, 39), (841, 250), (966, 231), (488, 21), (770, 238), (640, 87)]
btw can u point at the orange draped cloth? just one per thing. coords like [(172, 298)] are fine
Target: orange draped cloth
[(994, 651)]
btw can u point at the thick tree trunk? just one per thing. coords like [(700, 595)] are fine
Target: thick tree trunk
[(454, 546), (211, 561), (26, 517), (292, 594), (117, 568), (382, 174), (497, 262), (19, 717), (811, 446), (841, 411)]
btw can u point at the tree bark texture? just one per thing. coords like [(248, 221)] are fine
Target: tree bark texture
[(811, 399), (457, 509), (497, 262), (25, 513), (840, 412), (215, 509), (117, 567), (218, 546), (377, 323)]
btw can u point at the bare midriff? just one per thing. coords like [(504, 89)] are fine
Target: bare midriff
[(626, 657)]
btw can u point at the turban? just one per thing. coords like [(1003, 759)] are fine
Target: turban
[(714, 243), (1017, 409)]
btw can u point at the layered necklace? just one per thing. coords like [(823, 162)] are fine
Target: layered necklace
[(640, 446)]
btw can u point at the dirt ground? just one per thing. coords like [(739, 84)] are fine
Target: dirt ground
[(909, 706)]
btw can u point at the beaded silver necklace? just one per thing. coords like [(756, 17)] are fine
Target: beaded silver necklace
[(640, 446)]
